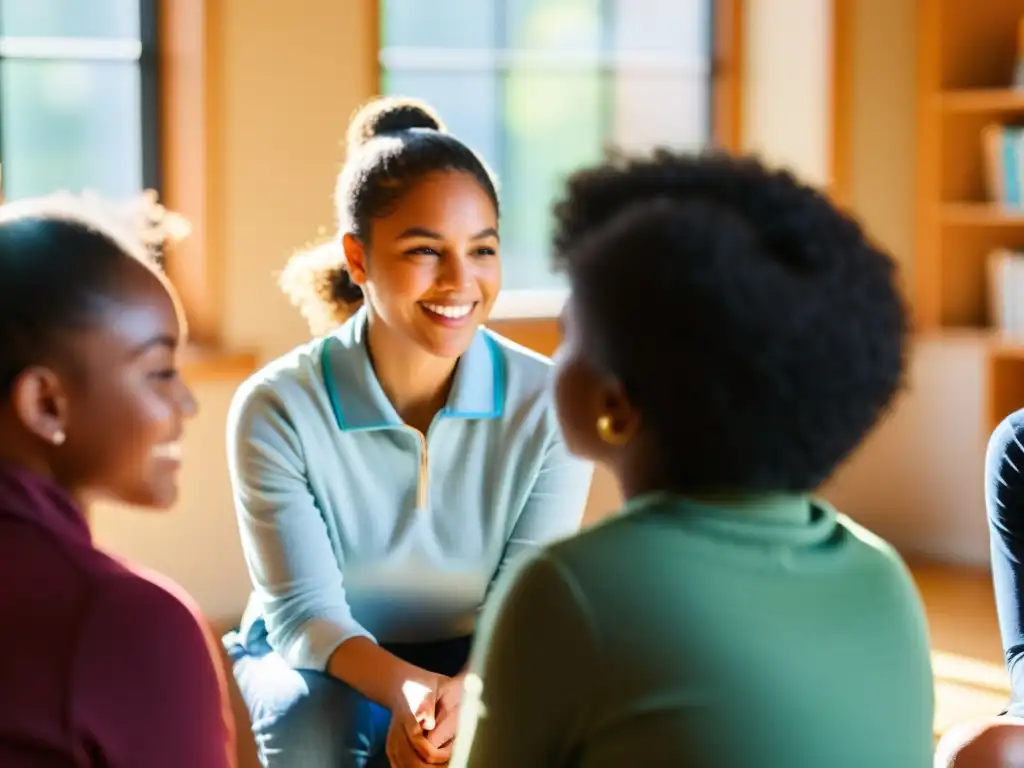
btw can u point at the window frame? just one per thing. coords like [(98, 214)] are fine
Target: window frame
[(149, 86), (189, 87), (189, 95), (142, 52), (725, 114)]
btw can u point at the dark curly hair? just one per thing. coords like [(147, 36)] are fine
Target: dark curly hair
[(58, 270), (393, 143), (756, 328)]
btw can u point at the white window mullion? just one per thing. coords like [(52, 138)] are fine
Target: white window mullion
[(483, 59), (70, 49)]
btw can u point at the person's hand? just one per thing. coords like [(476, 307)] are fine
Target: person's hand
[(446, 712), (411, 715)]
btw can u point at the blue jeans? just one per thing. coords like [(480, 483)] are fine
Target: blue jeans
[(306, 719)]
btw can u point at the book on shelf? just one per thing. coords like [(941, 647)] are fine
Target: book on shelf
[(1006, 291), (1004, 164)]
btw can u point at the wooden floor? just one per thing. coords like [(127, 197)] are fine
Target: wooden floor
[(970, 678)]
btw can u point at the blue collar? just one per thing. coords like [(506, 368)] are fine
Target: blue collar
[(359, 403)]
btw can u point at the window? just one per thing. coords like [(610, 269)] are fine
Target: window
[(540, 87), (78, 97)]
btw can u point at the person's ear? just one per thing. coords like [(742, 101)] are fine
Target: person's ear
[(617, 421), (41, 404), (355, 257)]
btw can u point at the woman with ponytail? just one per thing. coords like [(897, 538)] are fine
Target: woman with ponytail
[(386, 472)]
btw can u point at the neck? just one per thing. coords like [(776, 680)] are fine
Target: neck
[(637, 476), (638, 472), (23, 450), (634, 469), (416, 382)]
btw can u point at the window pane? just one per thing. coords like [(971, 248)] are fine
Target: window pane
[(465, 101), (70, 126), (581, 73), (438, 23), (70, 18), (566, 25), (553, 126), (663, 26), (660, 110)]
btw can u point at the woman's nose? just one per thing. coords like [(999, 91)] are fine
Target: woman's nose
[(454, 273)]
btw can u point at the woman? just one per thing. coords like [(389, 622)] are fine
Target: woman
[(999, 742), (384, 474), (99, 664), (729, 339)]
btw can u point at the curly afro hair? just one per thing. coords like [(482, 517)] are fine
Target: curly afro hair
[(756, 328)]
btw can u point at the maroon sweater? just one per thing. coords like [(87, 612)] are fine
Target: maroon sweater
[(99, 665)]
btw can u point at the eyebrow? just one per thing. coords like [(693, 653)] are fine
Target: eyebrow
[(424, 232), (489, 232)]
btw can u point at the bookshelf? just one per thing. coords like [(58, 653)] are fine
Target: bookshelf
[(966, 56)]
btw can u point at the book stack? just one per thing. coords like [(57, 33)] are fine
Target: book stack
[(1004, 155), (1006, 291)]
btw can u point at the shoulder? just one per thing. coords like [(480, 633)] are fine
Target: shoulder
[(147, 670), (292, 382), (544, 586), (582, 559), (876, 567), (528, 369), (875, 581), (1007, 442), (141, 629), (525, 376), (873, 548), (141, 626), (296, 370), (131, 605)]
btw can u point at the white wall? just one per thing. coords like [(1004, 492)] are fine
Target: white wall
[(787, 80), (917, 481)]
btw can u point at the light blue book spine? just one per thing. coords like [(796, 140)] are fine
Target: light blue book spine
[(1011, 166)]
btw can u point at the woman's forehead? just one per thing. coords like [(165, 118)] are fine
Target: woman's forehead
[(452, 201), (143, 310)]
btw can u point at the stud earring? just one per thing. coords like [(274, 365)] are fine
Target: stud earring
[(58, 437), (606, 431)]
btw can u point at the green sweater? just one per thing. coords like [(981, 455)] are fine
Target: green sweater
[(773, 633)]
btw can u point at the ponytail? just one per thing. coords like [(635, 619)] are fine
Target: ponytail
[(317, 282)]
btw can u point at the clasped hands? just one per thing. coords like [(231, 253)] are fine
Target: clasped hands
[(423, 722)]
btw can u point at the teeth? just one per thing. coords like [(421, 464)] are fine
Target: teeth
[(454, 311), (168, 451)]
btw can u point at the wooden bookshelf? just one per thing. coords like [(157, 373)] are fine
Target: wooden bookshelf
[(990, 100), (980, 215), (966, 56)]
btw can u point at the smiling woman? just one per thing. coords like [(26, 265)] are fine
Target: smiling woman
[(436, 283), (389, 470), (105, 661), (398, 149)]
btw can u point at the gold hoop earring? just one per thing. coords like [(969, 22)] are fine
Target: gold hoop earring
[(58, 437), (606, 431)]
